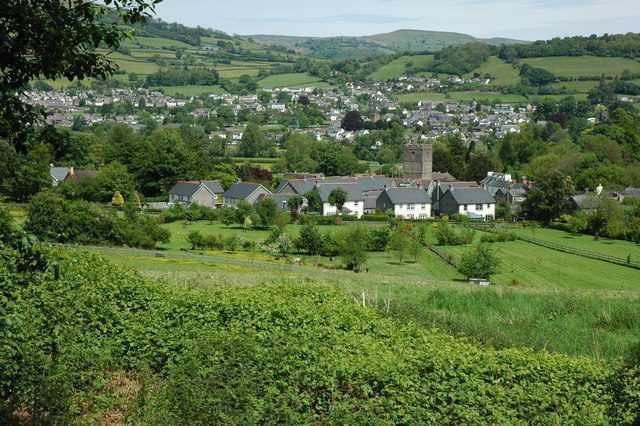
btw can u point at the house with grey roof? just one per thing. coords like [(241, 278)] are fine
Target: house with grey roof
[(59, 174), (408, 203), (243, 191), (281, 200), (355, 199), (476, 203), (204, 193)]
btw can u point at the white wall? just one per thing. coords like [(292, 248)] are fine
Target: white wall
[(413, 211), (355, 206), (486, 210)]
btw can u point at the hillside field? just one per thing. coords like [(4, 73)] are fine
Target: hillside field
[(293, 79), (397, 67), (591, 66)]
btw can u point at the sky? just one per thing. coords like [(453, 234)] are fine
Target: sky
[(519, 19)]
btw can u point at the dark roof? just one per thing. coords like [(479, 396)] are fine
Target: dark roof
[(59, 173), (82, 175), (190, 188), (213, 186), (367, 183), (446, 177), (408, 196), (241, 190), (472, 196), (353, 190)]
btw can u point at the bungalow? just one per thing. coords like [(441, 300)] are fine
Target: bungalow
[(408, 203), (204, 193), (475, 203), (355, 199), (243, 191)]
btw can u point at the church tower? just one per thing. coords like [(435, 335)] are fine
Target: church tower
[(418, 161)]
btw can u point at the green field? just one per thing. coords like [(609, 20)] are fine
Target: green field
[(603, 246), (191, 90), (504, 74), (459, 96), (157, 42), (294, 79), (568, 66), (397, 68), (526, 264)]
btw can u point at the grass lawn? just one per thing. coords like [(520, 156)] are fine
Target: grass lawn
[(191, 90), (578, 86), (568, 66), (503, 72), (397, 67), (529, 265), (603, 246), (293, 79)]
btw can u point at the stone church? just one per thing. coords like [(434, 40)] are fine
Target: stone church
[(418, 161)]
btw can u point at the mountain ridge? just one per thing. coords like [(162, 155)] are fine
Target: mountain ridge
[(402, 40)]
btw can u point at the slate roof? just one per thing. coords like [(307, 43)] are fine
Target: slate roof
[(353, 190), (59, 173), (190, 188), (408, 196), (241, 190), (367, 183), (472, 196)]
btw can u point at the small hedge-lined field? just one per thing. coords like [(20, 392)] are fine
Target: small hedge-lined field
[(288, 352)]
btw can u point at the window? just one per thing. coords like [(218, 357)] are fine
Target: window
[(478, 206), (465, 207), (411, 206), (488, 206)]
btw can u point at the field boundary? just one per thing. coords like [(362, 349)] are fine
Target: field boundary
[(628, 263), (442, 255)]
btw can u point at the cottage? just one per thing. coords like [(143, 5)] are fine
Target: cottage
[(243, 191), (59, 174), (408, 203), (204, 193), (475, 203), (355, 200)]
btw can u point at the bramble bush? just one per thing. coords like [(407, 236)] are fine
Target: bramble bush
[(276, 353)]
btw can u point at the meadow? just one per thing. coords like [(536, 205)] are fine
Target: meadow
[(503, 73), (592, 66), (398, 68), (460, 96), (190, 90)]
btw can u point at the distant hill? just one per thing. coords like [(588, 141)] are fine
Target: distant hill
[(366, 46)]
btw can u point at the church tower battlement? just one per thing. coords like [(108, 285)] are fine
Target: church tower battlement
[(418, 161)]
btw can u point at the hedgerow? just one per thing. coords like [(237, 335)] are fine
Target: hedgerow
[(280, 353)]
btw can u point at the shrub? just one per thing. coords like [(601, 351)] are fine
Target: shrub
[(378, 238), (354, 242), (310, 240), (479, 262), (498, 237)]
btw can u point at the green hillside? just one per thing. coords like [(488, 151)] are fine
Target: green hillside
[(398, 67), (587, 66), (362, 47)]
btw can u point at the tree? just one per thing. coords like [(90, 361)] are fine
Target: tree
[(224, 173), (310, 239), (353, 121), (576, 223), (243, 211), (253, 143), (400, 240), (117, 199), (479, 262), (111, 178), (314, 203), (227, 215), (549, 199), (338, 197), (267, 210), (53, 39), (295, 203), (135, 199), (353, 247)]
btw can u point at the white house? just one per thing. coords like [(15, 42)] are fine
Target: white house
[(476, 203), (354, 206), (408, 203)]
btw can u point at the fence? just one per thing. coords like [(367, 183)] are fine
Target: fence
[(559, 247), (442, 255)]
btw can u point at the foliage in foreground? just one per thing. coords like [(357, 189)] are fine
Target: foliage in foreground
[(286, 352)]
